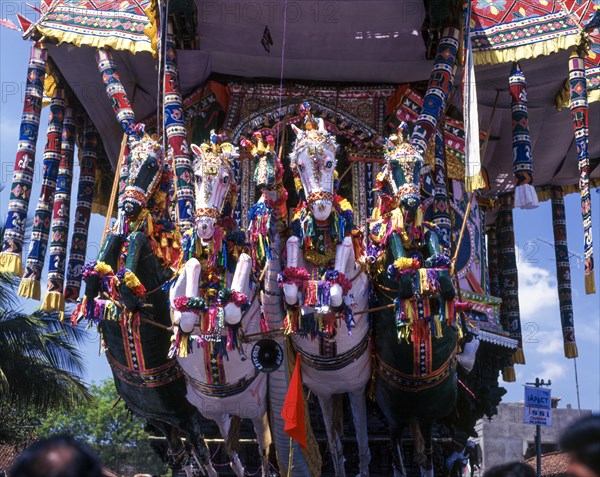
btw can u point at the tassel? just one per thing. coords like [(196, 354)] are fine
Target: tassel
[(30, 288), (518, 357), (508, 374), (571, 350), (10, 263)]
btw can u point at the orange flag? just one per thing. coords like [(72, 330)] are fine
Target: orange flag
[(293, 408)]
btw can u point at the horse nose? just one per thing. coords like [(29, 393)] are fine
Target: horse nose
[(204, 226), (128, 207), (321, 207)]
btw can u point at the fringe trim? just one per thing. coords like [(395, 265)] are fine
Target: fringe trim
[(121, 44), (30, 288), (571, 350), (473, 183), (508, 374), (524, 52), (590, 283), (54, 301), (11, 263), (545, 193), (518, 357)]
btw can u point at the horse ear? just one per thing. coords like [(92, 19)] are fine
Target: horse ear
[(321, 124), (196, 150), (297, 130)]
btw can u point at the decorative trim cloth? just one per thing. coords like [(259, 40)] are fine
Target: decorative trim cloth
[(20, 190), (512, 30), (120, 25), (494, 272), (441, 208), (30, 284), (54, 299), (563, 272), (509, 275), (525, 196), (177, 138), (473, 174), (440, 84), (579, 116), (85, 195)]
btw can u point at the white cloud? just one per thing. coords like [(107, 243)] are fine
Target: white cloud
[(537, 290)]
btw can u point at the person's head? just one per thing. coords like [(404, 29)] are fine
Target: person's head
[(582, 441), (512, 469), (60, 456)]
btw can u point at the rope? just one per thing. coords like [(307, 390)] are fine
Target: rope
[(282, 58), (115, 187)]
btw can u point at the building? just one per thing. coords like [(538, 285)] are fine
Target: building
[(505, 438)]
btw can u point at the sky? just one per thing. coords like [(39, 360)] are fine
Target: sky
[(537, 273)]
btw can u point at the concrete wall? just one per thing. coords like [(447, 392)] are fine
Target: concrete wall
[(505, 438)]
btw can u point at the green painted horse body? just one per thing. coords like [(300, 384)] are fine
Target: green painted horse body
[(125, 296), (415, 332)]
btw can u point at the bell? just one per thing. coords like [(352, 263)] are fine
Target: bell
[(267, 355)]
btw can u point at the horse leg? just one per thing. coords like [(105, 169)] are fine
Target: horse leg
[(178, 456), (224, 423), (193, 433), (333, 438), (263, 436), (359, 417), (427, 430), (397, 455)]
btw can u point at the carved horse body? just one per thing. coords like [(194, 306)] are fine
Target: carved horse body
[(124, 296), (326, 291), (416, 335), (215, 305)]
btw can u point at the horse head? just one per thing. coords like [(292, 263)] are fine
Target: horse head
[(146, 168), (215, 189), (400, 175), (269, 171), (313, 162)]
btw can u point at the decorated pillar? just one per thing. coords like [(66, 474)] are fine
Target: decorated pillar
[(20, 190), (30, 284), (436, 97), (509, 281), (121, 107), (579, 116), (177, 138), (563, 272), (54, 299), (525, 195), (441, 211), (85, 195)]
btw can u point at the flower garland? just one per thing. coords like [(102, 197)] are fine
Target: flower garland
[(316, 294)]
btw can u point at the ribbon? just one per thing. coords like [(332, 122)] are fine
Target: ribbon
[(20, 190), (563, 272), (85, 194), (30, 284), (473, 176), (177, 138), (579, 116), (54, 300), (525, 195)]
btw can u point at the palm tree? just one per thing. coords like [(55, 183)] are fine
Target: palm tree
[(40, 363)]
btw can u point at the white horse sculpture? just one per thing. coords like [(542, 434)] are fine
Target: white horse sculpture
[(214, 307), (326, 291)]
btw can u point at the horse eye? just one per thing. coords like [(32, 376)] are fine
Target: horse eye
[(225, 179), (329, 164), (152, 163), (300, 167)]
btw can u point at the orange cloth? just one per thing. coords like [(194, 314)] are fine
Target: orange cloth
[(293, 408)]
